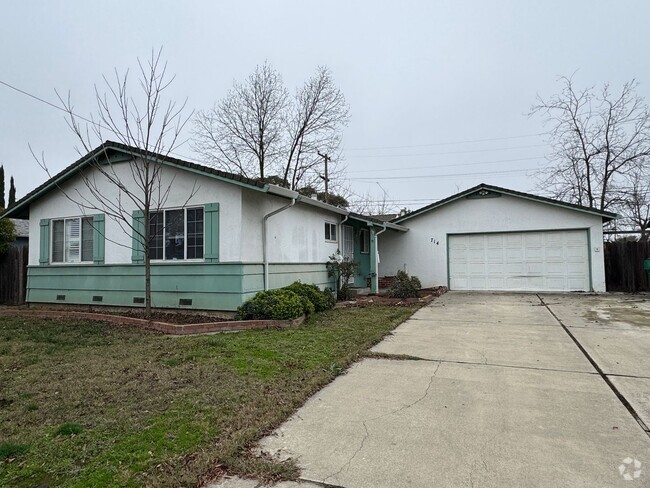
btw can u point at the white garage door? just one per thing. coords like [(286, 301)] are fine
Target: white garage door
[(520, 261)]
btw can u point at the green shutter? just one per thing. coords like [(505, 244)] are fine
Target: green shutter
[(45, 242), (137, 245), (211, 217), (99, 238)]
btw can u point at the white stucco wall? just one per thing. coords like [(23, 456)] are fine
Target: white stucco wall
[(423, 250), (118, 243), (295, 235)]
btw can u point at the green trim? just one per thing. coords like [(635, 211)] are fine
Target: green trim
[(99, 245), (211, 230), (44, 257), (137, 240)]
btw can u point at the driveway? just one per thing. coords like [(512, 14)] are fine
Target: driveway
[(488, 390)]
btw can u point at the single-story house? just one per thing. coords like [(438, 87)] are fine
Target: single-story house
[(237, 236), (233, 238), (22, 233)]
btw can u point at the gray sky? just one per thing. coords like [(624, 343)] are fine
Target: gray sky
[(419, 76)]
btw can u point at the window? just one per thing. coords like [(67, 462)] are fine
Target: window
[(176, 234), (72, 240), (330, 231), (365, 241)]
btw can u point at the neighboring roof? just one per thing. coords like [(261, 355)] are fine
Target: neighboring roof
[(607, 216), (21, 209), (376, 221), (385, 217), (21, 226)]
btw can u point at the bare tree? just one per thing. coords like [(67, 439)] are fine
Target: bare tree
[(635, 200), (598, 137), (258, 129), (243, 133), (317, 116), (146, 122)]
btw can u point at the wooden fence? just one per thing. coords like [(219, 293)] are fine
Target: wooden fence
[(624, 266), (13, 276)]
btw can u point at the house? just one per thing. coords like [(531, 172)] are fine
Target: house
[(22, 233), (236, 236), (232, 238), (492, 238)]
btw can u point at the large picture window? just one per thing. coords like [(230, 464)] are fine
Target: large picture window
[(176, 234), (72, 240)]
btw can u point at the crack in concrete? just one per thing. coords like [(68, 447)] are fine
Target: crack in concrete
[(346, 465)]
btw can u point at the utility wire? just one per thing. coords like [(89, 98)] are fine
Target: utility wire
[(447, 143), (446, 165), (447, 152), (443, 176)]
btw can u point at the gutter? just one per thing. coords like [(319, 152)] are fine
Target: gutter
[(264, 246)]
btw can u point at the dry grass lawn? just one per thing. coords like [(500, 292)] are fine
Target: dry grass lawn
[(87, 404)]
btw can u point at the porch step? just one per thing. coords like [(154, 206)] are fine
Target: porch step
[(355, 292)]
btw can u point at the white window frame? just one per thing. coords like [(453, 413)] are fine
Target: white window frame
[(81, 240), (184, 260), (329, 225), (363, 240)]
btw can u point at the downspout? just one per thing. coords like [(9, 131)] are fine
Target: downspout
[(264, 250), (341, 233), (376, 256)]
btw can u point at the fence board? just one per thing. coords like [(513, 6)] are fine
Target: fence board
[(624, 266), (13, 276)]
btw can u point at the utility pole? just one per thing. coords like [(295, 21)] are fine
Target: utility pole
[(326, 177)]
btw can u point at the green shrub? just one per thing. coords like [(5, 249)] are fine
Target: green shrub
[(330, 296), (280, 304), (405, 286), (312, 293)]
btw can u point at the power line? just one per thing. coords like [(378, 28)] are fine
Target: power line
[(448, 143), (447, 152), (443, 176), (446, 165)]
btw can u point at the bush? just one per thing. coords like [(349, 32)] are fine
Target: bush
[(405, 286), (312, 293), (330, 296), (280, 304)]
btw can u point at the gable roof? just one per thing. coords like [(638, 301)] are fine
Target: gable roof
[(109, 148), (607, 216)]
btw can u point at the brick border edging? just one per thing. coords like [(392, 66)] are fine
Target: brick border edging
[(167, 328)]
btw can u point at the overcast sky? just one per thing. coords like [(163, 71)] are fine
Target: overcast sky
[(427, 81)]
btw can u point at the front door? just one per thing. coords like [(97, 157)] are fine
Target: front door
[(348, 246)]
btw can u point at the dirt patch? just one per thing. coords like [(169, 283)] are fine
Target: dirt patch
[(427, 295)]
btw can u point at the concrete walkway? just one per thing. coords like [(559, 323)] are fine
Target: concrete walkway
[(504, 390)]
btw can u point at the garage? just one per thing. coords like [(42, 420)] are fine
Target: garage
[(489, 238), (520, 261)]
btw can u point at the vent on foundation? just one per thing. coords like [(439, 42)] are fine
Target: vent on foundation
[(60, 297), (98, 298), (185, 301), (138, 300)]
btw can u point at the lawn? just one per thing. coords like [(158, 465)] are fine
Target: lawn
[(87, 404)]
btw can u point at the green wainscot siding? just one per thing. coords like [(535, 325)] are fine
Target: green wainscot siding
[(209, 286)]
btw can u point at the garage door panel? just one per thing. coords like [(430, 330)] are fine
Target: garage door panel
[(524, 261)]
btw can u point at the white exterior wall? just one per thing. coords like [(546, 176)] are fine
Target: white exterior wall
[(118, 240), (423, 250), (295, 235)]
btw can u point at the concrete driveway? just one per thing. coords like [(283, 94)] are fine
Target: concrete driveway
[(488, 390)]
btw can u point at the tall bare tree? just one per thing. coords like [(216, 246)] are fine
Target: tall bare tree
[(258, 131), (598, 137), (316, 118), (635, 200), (242, 133), (144, 120)]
